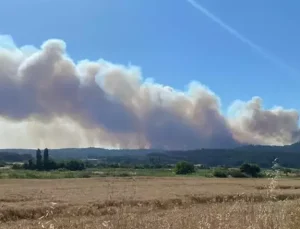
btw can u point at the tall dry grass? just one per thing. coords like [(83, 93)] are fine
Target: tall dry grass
[(174, 203), (225, 215)]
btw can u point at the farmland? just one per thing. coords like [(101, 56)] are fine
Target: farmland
[(149, 202)]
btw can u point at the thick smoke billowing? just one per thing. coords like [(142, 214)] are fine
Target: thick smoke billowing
[(46, 99)]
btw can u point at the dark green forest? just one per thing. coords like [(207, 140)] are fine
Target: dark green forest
[(289, 155)]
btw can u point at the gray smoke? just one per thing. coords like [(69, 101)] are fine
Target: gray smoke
[(255, 125), (46, 99)]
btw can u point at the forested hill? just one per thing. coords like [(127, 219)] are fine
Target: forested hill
[(266, 148), (14, 156), (81, 153), (288, 155), (236, 157)]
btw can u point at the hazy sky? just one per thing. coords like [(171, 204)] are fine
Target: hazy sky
[(239, 49)]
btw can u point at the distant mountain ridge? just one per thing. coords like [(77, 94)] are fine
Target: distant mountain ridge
[(70, 153), (285, 148), (289, 155)]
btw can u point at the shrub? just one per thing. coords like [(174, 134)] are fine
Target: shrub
[(122, 174), (236, 173), (286, 171), (202, 167), (209, 175), (75, 165), (250, 169), (184, 167), (261, 175), (51, 165), (139, 167), (17, 166), (220, 172), (85, 175), (61, 170), (69, 174)]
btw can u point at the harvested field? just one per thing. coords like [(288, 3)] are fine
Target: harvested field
[(150, 203)]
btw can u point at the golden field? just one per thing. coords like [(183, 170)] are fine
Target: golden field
[(144, 202)]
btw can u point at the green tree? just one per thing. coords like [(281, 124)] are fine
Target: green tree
[(184, 167), (2, 164), (74, 165), (236, 173), (52, 165), (286, 171), (220, 172), (16, 166), (31, 164), (250, 169), (46, 159), (39, 158)]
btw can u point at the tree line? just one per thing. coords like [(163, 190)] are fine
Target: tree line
[(43, 162), (245, 170)]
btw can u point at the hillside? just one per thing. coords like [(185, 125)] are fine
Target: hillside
[(288, 155), (83, 153), (14, 157)]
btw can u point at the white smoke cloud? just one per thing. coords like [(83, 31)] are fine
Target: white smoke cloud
[(253, 124), (48, 100)]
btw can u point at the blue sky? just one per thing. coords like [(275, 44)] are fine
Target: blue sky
[(173, 42)]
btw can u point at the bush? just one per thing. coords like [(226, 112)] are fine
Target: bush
[(139, 167), (220, 172), (74, 165), (236, 173), (202, 167), (61, 170), (184, 167), (209, 175), (286, 171), (261, 175), (2, 164), (69, 174), (250, 169), (85, 175), (17, 166), (122, 174), (51, 165)]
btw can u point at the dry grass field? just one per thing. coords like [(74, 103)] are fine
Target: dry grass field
[(150, 203)]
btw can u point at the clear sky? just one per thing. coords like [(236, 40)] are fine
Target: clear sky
[(173, 42)]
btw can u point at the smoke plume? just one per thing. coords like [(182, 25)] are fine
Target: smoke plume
[(47, 99)]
